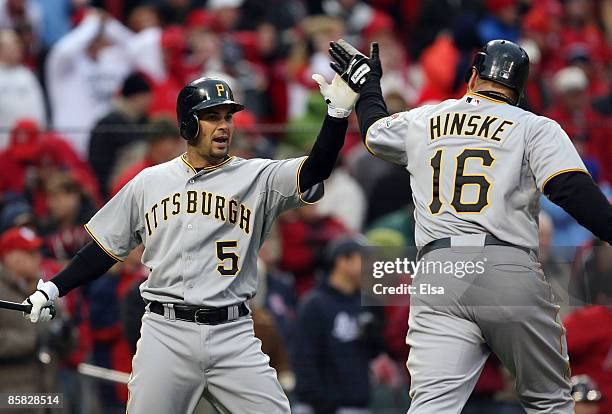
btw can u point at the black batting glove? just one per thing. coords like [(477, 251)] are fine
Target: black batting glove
[(352, 65)]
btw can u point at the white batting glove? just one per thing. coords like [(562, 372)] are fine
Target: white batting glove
[(340, 98), (45, 294)]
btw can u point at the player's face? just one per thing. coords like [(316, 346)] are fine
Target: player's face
[(216, 130)]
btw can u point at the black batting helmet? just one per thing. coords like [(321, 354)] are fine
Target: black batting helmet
[(503, 62), (200, 94), (584, 389)]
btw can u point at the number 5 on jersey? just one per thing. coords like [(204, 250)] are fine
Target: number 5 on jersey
[(228, 258), (461, 180)]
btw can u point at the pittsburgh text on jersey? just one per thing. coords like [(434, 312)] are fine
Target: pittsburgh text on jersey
[(210, 205), (468, 125)]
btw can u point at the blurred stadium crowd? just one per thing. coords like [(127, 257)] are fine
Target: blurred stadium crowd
[(87, 100)]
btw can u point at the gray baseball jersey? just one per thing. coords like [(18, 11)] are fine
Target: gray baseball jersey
[(477, 167), (201, 231), (488, 162)]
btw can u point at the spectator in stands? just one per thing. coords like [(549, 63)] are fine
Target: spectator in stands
[(143, 17), (111, 348), (174, 11), (501, 22), (122, 126), (163, 144), (310, 56), (16, 212), (574, 113), (14, 13), (277, 288), (226, 13), (580, 27), (581, 56), (167, 65), (357, 15), (589, 329), (131, 305), (21, 92), (537, 95), (336, 337), (438, 62), (590, 271), (304, 235), (28, 353), (83, 71), (344, 200), (272, 339), (32, 157), (603, 104), (69, 208)]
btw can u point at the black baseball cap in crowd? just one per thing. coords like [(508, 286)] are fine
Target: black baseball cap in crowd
[(134, 84), (345, 245)]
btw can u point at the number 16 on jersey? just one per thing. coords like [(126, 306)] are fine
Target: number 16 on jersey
[(462, 179)]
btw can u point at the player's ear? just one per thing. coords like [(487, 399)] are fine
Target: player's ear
[(471, 84)]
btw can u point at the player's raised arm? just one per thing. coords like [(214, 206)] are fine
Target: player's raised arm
[(340, 100), (363, 75)]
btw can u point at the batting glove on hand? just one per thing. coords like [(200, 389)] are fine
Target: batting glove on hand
[(353, 66), (45, 294), (339, 97)]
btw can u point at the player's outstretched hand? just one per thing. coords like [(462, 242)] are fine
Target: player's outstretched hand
[(45, 294), (340, 98), (353, 66)]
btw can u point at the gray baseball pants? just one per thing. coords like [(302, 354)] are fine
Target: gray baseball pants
[(178, 362), (509, 309)]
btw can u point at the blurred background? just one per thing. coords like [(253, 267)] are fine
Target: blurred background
[(87, 100)]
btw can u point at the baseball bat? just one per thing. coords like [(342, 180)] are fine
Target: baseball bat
[(23, 307)]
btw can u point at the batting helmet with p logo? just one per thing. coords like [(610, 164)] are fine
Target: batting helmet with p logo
[(201, 94)]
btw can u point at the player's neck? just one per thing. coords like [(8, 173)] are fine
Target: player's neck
[(198, 161)]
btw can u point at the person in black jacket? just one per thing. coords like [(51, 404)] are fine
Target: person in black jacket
[(336, 338), (123, 125)]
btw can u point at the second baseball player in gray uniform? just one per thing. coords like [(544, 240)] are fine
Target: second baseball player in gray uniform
[(478, 166), (202, 218)]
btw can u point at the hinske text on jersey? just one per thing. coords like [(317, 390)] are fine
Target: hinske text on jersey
[(468, 125), (199, 202)]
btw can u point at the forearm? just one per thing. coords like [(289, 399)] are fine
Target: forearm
[(324, 154), (87, 265), (580, 197), (370, 106)]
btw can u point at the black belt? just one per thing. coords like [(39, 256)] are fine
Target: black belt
[(489, 241), (204, 315)]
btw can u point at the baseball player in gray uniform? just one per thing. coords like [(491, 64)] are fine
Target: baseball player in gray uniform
[(478, 166), (202, 218)]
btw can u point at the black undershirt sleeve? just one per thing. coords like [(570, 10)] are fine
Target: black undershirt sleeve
[(322, 159), (579, 196), (88, 264), (370, 106)]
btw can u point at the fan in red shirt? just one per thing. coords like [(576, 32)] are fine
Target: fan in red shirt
[(573, 111), (589, 329), (163, 144), (32, 156)]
